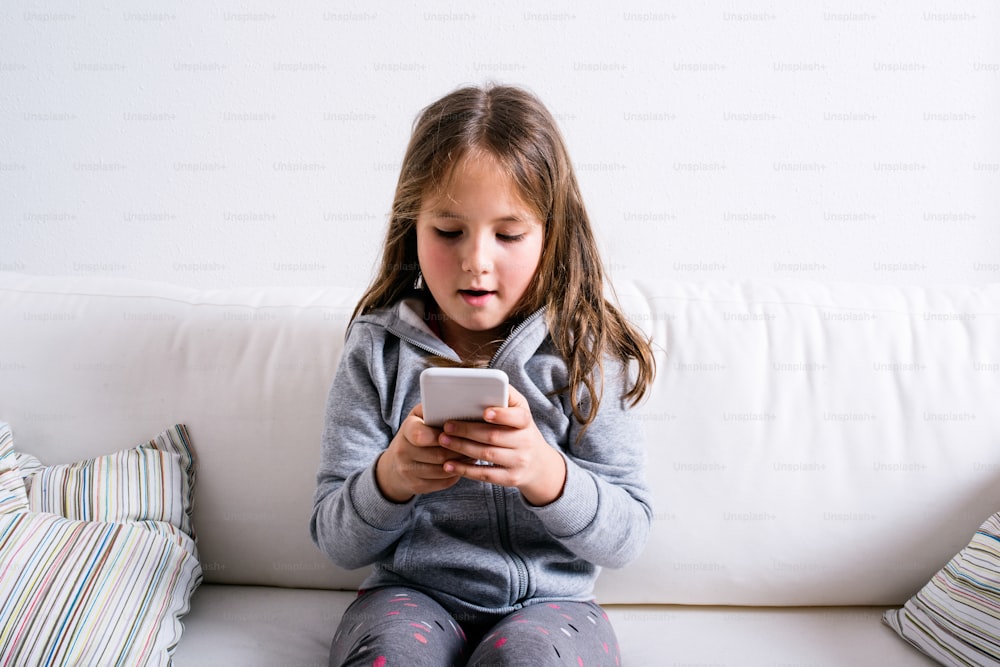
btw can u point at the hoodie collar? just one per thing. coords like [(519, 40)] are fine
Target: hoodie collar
[(406, 320)]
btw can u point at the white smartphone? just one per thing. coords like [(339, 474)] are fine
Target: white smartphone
[(461, 394)]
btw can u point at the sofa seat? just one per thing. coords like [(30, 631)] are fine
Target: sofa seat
[(269, 626)]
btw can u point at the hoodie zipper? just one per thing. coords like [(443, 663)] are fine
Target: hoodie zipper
[(499, 492), (416, 343), (513, 334), (521, 584)]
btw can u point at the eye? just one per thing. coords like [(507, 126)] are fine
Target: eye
[(448, 233), (510, 238)]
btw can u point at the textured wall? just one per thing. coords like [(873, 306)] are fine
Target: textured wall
[(226, 143)]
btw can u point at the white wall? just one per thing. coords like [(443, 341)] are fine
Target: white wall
[(246, 143)]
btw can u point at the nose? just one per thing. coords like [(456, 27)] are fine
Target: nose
[(477, 257)]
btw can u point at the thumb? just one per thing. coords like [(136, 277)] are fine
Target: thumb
[(515, 398)]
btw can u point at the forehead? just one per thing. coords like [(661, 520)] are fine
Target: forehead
[(472, 176)]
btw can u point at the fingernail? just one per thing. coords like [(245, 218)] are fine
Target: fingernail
[(449, 467), (490, 414), (445, 440)]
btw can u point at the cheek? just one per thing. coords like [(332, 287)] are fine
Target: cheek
[(525, 263), (434, 257)]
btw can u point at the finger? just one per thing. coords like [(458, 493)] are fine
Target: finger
[(459, 436), (431, 470), (420, 434), (517, 414), (417, 432), (433, 473), (514, 397), (490, 474), (435, 455), (473, 452)]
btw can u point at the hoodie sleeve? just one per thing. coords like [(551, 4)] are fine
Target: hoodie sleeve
[(352, 522), (604, 513)]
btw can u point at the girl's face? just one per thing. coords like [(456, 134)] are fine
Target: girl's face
[(478, 245)]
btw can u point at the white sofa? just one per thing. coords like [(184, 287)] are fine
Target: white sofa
[(817, 451)]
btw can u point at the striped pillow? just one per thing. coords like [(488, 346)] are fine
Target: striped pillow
[(12, 496), (153, 481), (955, 618), (8, 457), (90, 593), (78, 592)]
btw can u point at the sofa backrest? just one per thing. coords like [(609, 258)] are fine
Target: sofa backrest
[(817, 443), (808, 443)]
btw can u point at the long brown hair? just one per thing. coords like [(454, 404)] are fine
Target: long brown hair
[(513, 127)]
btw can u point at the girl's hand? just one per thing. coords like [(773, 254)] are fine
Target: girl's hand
[(513, 445), (413, 462)]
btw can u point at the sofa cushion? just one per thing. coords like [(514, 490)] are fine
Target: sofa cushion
[(248, 369), (812, 444), (76, 592), (955, 618), (261, 626)]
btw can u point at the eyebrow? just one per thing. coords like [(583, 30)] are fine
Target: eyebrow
[(451, 215)]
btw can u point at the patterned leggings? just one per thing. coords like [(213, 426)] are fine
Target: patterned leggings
[(396, 626)]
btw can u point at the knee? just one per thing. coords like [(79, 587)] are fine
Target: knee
[(520, 644), (396, 627)]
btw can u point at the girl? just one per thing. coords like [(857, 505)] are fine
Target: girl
[(490, 261)]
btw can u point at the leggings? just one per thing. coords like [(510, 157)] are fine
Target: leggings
[(396, 626)]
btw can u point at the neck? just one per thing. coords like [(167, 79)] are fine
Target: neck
[(474, 348), (474, 353)]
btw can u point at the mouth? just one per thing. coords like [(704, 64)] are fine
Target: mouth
[(476, 297)]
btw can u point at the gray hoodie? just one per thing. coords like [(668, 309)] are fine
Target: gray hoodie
[(476, 547)]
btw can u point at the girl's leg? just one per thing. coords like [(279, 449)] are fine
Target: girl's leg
[(392, 626), (564, 633)]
